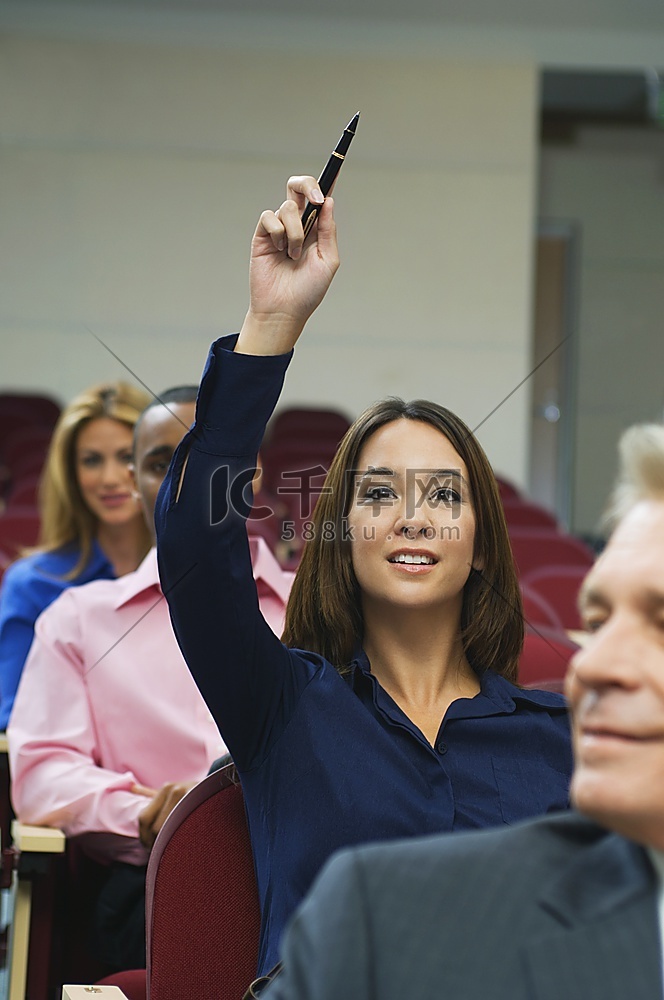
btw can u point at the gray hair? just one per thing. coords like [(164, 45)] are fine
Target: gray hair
[(641, 471)]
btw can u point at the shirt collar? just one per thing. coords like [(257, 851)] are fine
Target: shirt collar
[(505, 695), (500, 692), (267, 570), (142, 579), (265, 566)]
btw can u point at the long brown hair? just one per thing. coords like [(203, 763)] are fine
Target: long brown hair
[(65, 517), (324, 611)]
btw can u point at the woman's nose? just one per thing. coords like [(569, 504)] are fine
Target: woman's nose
[(115, 472), (414, 523)]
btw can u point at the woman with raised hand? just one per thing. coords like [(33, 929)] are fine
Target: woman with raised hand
[(391, 708), (92, 527)]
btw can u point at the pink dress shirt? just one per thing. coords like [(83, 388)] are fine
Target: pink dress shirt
[(106, 701)]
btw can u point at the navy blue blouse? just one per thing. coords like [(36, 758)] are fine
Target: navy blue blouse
[(326, 760)]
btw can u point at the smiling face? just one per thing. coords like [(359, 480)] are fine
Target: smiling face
[(102, 459), (159, 433), (615, 684), (411, 521)]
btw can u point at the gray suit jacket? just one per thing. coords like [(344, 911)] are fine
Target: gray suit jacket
[(554, 909)]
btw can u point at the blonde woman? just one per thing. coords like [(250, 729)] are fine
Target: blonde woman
[(92, 527)]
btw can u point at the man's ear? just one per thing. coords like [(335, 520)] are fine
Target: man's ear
[(258, 475), (132, 472)]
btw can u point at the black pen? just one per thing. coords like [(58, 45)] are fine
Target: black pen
[(330, 171)]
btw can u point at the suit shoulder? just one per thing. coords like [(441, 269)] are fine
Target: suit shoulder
[(522, 846)]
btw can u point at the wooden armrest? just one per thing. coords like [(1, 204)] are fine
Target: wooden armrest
[(40, 849), (38, 839), (92, 993)]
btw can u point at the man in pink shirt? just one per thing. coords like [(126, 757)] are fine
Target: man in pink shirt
[(108, 729)]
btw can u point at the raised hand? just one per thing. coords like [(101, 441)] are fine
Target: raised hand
[(288, 277)]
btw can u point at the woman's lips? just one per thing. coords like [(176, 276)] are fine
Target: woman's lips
[(115, 499), (413, 561)]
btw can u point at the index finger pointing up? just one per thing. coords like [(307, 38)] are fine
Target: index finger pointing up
[(302, 189)]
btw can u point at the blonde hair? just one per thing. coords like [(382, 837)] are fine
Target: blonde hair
[(65, 517), (641, 471)]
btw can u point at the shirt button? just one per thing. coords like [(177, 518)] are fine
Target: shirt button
[(442, 747)]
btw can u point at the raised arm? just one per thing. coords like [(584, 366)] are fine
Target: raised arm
[(249, 680)]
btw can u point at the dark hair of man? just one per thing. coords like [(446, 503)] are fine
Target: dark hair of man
[(177, 394), (324, 611)]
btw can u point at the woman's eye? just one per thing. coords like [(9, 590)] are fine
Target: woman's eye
[(127, 458), (90, 461), (374, 494), (445, 495)]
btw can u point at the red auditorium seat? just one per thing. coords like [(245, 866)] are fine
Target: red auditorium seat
[(534, 548), (24, 493), (559, 586), (538, 611), (5, 560), (521, 514), (302, 423), (267, 528), (133, 983), (31, 408), (201, 878), (287, 473), (507, 490), (545, 657), (23, 447), (19, 528)]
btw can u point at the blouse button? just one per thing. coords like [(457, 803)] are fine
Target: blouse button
[(442, 747)]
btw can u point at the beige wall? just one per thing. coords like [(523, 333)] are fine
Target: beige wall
[(610, 183), (132, 176)]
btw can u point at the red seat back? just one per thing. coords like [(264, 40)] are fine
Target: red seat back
[(25, 492), (5, 561), (202, 910), (19, 527), (534, 548), (507, 489), (132, 982), (306, 423), (31, 408), (292, 471), (26, 447), (538, 611), (520, 514), (545, 656), (559, 586)]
